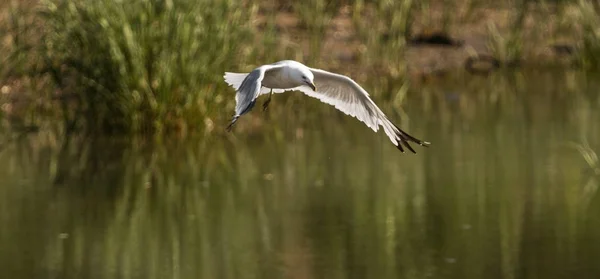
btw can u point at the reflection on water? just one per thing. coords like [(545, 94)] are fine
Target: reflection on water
[(501, 193)]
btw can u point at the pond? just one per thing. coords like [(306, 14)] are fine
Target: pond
[(504, 191)]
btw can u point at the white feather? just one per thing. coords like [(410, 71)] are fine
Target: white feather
[(338, 90)]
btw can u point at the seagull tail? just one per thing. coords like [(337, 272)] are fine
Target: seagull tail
[(230, 126), (404, 138), (237, 116)]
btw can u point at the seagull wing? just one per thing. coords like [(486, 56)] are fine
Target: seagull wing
[(235, 80), (248, 87), (347, 96)]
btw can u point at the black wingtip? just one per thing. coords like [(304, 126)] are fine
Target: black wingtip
[(399, 146), (402, 143), (409, 147), (404, 139)]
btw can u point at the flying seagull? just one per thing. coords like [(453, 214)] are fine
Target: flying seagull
[(338, 90)]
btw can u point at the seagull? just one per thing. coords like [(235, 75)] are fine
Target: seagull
[(338, 90)]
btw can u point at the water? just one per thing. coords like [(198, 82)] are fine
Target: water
[(501, 193)]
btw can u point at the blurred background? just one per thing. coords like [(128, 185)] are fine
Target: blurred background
[(115, 163)]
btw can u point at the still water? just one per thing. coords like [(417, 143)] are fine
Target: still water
[(503, 192)]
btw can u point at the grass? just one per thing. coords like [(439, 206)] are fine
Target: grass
[(589, 15), (590, 157), (155, 67), (492, 196), (591, 173), (509, 48), (142, 65)]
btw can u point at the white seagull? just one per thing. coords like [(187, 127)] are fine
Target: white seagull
[(338, 90)]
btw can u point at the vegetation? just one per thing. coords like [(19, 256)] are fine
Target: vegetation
[(497, 195), (156, 66), (589, 15), (139, 65)]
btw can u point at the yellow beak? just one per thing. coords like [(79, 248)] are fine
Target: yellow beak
[(312, 86)]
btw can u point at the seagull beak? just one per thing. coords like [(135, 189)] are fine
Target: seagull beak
[(312, 86)]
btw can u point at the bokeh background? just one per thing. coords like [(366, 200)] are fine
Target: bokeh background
[(115, 162)]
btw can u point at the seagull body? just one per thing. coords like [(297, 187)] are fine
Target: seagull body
[(338, 90)]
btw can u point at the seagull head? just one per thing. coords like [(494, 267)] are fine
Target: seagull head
[(305, 77)]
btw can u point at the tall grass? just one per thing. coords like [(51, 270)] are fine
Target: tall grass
[(384, 29), (589, 16), (143, 65), (506, 48), (156, 66)]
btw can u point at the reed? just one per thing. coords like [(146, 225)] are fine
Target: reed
[(143, 65), (588, 16), (156, 66)]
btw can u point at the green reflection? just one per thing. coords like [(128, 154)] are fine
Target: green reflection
[(499, 194)]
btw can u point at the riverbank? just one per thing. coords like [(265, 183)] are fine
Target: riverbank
[(155, 67)]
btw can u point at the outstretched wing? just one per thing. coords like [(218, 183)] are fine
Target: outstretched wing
[(347, 96), (248, 87), (235, 80)]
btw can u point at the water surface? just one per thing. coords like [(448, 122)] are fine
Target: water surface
[(503, 192)]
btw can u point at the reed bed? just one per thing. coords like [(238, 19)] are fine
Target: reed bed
[(155, 67)]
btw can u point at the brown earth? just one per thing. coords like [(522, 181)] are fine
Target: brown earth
[(548, 36)]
